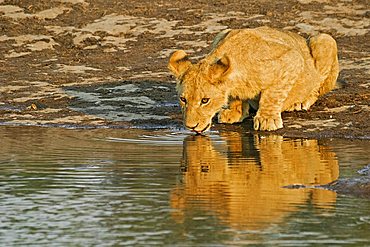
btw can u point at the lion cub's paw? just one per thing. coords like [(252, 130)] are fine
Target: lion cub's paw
[(295, 107), (229, 116), (304, 106), (262, 123), (308, 103)]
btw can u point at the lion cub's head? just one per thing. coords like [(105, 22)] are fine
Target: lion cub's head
[(201, 88)]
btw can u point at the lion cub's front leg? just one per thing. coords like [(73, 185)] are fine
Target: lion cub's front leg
[(236, 112), (271, 104)]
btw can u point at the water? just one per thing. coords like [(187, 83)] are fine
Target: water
[(104, 187)]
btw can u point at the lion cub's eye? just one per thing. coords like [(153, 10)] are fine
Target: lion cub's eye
[(182, 99), (205, 100)]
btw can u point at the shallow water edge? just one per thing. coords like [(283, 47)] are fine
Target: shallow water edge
[(146, 187)]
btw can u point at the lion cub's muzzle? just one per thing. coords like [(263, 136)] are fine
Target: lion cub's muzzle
[(197, 128)]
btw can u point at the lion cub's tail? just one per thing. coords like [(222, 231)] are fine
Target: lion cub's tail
[(325, 54)]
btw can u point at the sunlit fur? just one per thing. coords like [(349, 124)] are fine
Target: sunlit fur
[(195, 85), (281, 69)]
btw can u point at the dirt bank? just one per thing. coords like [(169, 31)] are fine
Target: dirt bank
[(90, 63)]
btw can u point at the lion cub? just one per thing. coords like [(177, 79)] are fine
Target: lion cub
[(280, 70)]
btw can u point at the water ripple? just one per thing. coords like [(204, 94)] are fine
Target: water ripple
[(112, 187)]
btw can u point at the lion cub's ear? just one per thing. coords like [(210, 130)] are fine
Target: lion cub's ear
[(179, 63), (220, 67)]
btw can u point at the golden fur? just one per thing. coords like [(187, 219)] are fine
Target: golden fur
[(280, 70)]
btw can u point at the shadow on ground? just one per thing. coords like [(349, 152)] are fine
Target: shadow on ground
[(145, 104)]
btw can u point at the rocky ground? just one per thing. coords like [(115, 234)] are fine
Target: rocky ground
[(103, 63)]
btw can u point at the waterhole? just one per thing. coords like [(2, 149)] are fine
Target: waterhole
[(137, 187)]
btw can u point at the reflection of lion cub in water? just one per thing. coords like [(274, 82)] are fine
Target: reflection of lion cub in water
[(280, 69), (242, 182)]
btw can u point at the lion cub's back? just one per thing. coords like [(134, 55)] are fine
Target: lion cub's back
[(261, 40)]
